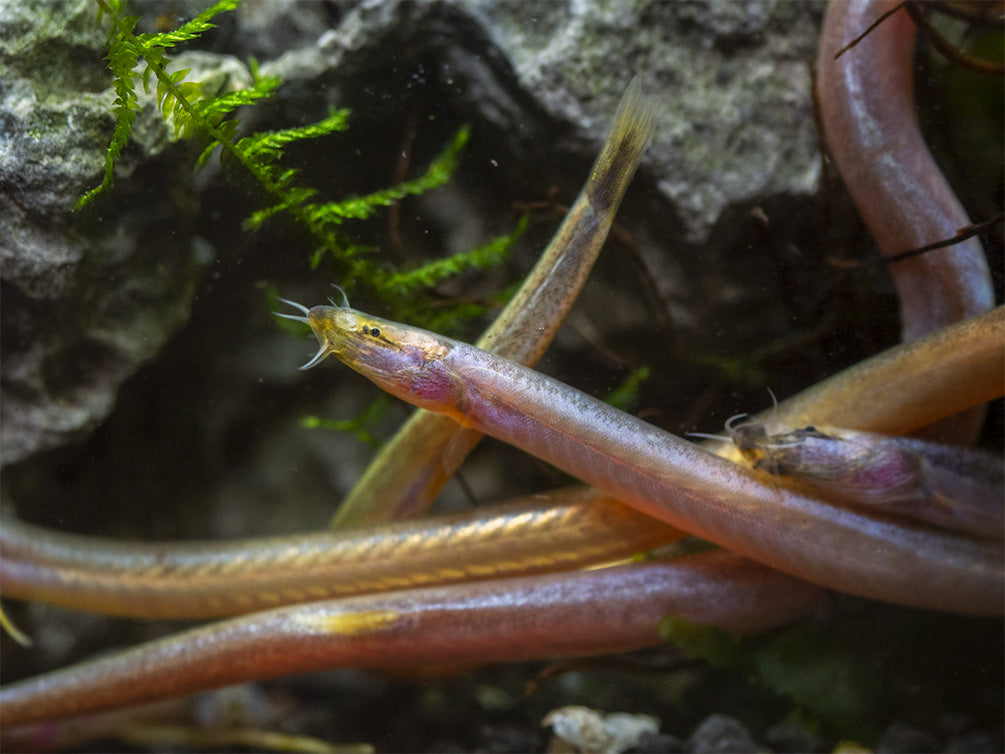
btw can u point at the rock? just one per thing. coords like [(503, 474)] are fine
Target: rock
[(92, 296), (588, 731), (89, 297), (721, 734), (793, 735), (738, 120), (738, 123)]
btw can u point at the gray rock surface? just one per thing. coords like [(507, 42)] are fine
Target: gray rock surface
[(90, 297), (737, 124), (86, 298), (722, 734)]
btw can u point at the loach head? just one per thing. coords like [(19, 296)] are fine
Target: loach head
[(754, 437), (745, 436), (405, 361)]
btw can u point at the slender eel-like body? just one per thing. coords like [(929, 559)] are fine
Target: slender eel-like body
[(665, 476), (509, 619), (945, 371), (540, 616), (905, 387), (868, 113), (547, 532), (953, 487), (869, 118), (409, 471)]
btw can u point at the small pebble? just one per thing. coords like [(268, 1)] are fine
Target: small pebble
[(721, 734), (792, 736), (588, 731)]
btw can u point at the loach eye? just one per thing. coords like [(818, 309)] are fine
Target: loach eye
[(375, 331)]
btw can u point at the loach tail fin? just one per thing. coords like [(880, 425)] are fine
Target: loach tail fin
[(622, 151)]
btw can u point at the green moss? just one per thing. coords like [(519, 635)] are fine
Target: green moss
[(824, 676), (360, 426), (193, 111), (712, 644), (626, 395)]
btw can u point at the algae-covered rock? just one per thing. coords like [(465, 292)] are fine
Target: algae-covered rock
[(89, 297)]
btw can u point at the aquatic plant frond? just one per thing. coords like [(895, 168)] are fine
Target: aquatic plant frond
[(125, 51), (438, 173), (362, 426), (328, 216), (626, 395), (269, 144), (192, 112), (432, 273), (190, 29)]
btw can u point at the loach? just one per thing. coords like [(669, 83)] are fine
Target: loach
[(662, 475), (953, 487), (410, 470), (614, 608)]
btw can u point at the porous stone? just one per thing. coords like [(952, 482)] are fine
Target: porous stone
[(722, 734), (90, 297), (87, 297)]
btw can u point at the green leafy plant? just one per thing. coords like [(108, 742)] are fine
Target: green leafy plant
[(827, 677), (177, 97), (626, 395), (359, 426), (194, 113)]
